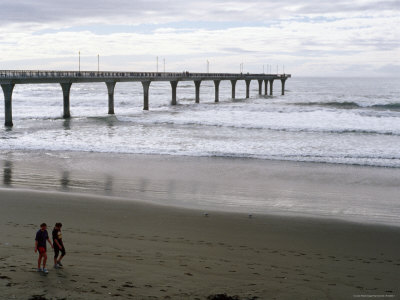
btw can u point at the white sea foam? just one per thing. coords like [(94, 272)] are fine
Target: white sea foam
[(315, 121)]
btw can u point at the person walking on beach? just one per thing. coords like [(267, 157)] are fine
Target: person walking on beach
[(40, 245), (58, 245)]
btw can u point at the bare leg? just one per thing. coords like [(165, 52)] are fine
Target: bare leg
[(44, 260), (39, 260)]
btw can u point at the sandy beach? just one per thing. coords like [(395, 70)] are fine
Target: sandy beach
[(118, 248)]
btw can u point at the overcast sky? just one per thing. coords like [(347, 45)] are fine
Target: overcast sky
[(308, 38)]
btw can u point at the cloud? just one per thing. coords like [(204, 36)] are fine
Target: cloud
[(307, 37), (73, 12)]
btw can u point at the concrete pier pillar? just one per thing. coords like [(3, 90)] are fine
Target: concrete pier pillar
[(8, 90), (248, 81), (146, 86), (216, 84), (260, 82), (110, 89), (271, 87), (283, 85), (174, 84), (197, 85), (233, 82), (266, 87), (66, 88)]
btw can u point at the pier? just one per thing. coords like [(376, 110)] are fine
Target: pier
[(9, 78)]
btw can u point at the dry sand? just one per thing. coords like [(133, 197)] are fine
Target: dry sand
[(125, 249), (128, 250)]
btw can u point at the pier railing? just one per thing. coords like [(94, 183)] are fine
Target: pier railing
[(42, 74)]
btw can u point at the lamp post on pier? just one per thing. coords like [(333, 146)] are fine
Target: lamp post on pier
[(79, 61), (157, 64)]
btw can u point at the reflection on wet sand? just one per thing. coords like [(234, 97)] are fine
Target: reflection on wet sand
[(64, 181), (108, 186), (7, 173), (21, 175)]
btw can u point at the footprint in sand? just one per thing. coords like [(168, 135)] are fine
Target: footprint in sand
[(128, 285)]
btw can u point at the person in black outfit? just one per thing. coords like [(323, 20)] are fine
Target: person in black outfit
[(58, 245)]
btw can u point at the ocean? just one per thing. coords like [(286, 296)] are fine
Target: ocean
[(331, 120)]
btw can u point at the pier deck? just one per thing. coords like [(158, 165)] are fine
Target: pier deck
[(9, 78)]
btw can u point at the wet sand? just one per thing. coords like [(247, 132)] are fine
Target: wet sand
[(364, 194)]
